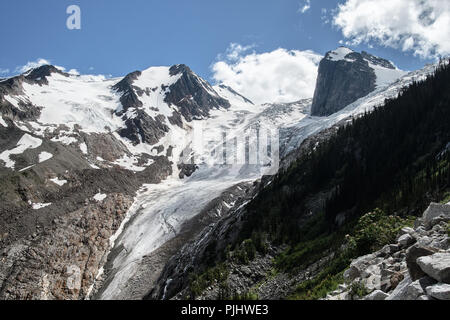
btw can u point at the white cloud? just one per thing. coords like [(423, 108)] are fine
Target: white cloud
[(305, 6), (73, 72), (418, 26), (32, 64), (277, 76), (234, 51), (4, 71), (41, 62)]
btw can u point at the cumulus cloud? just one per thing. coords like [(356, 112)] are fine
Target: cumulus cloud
[(41, 62), (277, 76), (73, 72), (417, 26), (4, 71), (305, 6), (32, 64), (38, 63)]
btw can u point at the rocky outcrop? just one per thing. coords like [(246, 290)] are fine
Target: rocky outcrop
[(417, 267), (193, 96), (344, 77), (64, 260)]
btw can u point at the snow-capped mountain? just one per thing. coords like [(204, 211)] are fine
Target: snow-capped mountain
[(345, 76), (82, 142), (95, 163)]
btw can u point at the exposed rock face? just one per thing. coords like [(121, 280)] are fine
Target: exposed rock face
[(193, 96), (63, 262), (344, 77), (416, 269)]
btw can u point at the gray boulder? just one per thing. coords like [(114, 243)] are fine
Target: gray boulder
[(425, 298), (413, 253), (436, 266), (358, 266), (407, 230), (405, 240), (440, 291), (376, 295), (400, 292), (435, 210)]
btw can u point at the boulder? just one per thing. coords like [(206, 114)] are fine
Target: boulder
[(425, 298), (440, 291), (406, 230), (434, 211), (436, 266), (405, 240), (414, 291), (395, 280), (376, 295), (358, 266), (413, 253), (400, 292)]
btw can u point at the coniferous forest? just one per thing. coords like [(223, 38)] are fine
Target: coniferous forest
[(396, 158), (371, 178)]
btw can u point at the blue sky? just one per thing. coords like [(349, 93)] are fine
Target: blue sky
[(118, 37)]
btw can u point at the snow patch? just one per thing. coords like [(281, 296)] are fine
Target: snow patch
[(83, 148), (66, 140), (100, 197), (26, 142), (130, 163), (26, 168), (386, 76), (2, 122), (58, 181), (37, 206), (339, 54), (44, 156)]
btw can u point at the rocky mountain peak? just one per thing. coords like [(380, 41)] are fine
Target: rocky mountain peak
[(179, 69), (41, 73), (338, 54), (377, 60), (156, 98), (193, 96), (346, 75)]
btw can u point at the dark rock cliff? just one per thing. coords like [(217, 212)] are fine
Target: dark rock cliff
[(344, 77)]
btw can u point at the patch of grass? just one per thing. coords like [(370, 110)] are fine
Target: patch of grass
[(198, 283), (370, 233), (358, 289), (298, 257), (375, 230)]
